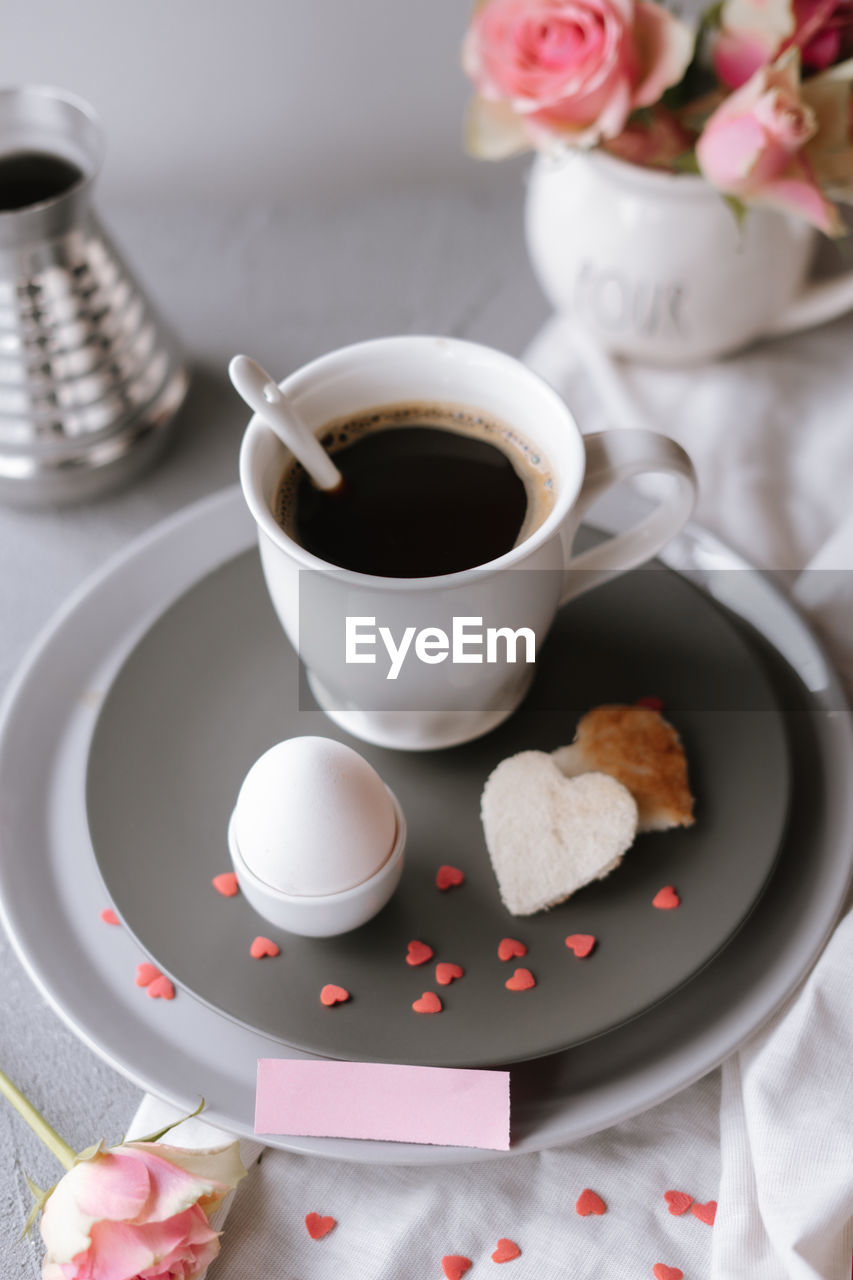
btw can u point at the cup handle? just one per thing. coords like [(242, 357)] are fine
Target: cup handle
[(824, 300), (611, 457)]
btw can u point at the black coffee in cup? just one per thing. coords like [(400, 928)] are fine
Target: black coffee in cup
[(32, 177), (428, 490)]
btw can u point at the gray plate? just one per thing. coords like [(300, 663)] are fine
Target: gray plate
[(51, 889), (213, 683)]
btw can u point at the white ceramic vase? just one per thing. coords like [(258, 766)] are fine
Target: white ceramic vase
[(655, 265)]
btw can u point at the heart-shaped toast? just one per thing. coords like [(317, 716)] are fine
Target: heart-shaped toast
[(644, 752), (549, 835)]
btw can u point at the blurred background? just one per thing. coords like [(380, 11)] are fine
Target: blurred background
[(255, 101), (285, 177)]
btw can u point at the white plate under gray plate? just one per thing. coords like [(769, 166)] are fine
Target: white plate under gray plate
[(51, 890)]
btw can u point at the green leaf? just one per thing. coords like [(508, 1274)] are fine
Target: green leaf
[(643, 117), (738, 209), (161, 1133), (686, 162), (713, 16), (30, 1222), (699, 79), (40, 1198), (90, 1152)]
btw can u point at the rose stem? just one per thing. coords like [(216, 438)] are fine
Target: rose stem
[(48, 1135)]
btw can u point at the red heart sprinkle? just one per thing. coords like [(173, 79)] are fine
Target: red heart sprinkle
[(705, 1212), (666, 899), (419, 953), (581, 944), (509, 948), (661, 1272), (109, 916), (588, 1202), (448, 877), (445, 973), (428, 1003), (226, 884), (679, 1202), (263, 947), (653, 703), (332, 994), (317, 1226), (161, 989), (521, 980), (146, 973), (455, 1265), (506, 1250)]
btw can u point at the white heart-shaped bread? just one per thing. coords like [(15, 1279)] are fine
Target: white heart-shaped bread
[(549, 835)]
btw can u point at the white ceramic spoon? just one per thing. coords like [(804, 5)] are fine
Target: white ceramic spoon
[(264, 396)]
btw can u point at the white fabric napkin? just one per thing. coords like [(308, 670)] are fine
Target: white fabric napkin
[(771, 435), (770, 1135)]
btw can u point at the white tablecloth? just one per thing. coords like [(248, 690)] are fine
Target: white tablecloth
[(770, 1135)]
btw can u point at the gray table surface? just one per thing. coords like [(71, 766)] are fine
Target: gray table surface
[(285, 283)]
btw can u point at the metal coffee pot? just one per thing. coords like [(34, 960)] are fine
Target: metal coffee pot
[(89, 377)]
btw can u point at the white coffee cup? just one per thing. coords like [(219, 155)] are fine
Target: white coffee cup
[(435, 701)]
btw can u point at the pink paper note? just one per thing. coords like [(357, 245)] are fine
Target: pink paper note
[(445, 1106)]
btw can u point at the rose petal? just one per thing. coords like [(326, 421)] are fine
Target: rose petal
[(665, 47), (822, 51), (830, 152), (614, 116), (801, 196), (182, 1178), (107, 1185), (751, 34), (138, 1183), (121, 1250), (493, 131), (736, 58), (729, 151)]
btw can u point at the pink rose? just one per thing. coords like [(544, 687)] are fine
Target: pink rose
[(138, 1210), (754, 32), (753, 147), (567, 70)]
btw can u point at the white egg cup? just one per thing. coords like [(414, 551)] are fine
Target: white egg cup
[(327, 914)]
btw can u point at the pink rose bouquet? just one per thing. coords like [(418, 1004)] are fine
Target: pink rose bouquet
[(141, 1209), (756, 101)]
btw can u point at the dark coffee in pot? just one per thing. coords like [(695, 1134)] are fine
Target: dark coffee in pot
[(32, 177)]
